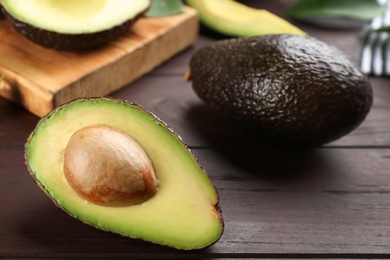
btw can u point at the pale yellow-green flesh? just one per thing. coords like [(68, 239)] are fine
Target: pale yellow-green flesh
[(181, 214), (233, 18), (74, 16)]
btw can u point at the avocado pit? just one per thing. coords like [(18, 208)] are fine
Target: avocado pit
[(107, 167)]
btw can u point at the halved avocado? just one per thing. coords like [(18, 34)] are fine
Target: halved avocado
[(183, 213), (233, 18), (73, 24)]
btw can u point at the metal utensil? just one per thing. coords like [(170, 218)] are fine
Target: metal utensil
[(375, 49)]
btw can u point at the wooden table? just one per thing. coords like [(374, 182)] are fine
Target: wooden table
[(330, 202)]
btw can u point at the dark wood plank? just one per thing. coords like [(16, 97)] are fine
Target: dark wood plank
[(173, 100), (15, 124), (328, 201)]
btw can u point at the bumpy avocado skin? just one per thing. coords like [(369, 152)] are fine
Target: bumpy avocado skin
[(70, 42), (288, 90)]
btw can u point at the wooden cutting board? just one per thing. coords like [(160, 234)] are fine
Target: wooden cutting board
[(42, 79)]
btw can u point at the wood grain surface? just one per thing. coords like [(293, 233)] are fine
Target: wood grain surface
[(41, 79), (332, 202)]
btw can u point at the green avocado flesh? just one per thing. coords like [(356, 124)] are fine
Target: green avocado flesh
[(184, 213), (64, 19), (233, 18), (285, 89)]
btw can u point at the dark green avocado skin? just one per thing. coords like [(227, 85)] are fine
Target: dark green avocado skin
[(70, 42), (1, 12), (287, 90)]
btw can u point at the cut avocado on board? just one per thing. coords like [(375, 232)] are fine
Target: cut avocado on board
[(181, 208), (72, 24), (41, 79)]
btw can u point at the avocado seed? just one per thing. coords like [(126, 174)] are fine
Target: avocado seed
[(108, 167)]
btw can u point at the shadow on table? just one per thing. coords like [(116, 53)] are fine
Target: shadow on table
[(259, 159)]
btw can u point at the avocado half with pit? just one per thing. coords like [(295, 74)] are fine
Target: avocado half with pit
[(73, 24), (117, 167)]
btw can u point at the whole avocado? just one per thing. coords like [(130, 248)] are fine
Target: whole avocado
[(288, 90)]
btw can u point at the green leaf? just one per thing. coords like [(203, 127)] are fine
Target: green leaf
[(160, 8), (353, 9)]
